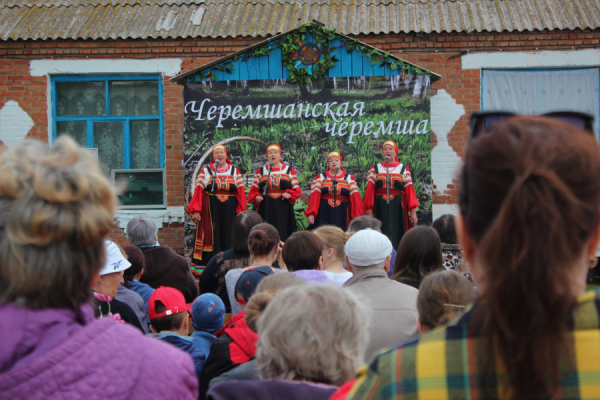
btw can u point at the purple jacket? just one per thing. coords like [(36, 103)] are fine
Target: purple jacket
[(270, 390), (58, 353), (315, 276)]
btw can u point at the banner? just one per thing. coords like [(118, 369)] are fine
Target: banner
[(351, 115)]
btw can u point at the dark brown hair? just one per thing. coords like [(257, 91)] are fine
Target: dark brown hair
[(168, 322), (442, 296), (419, 253), (529, 198), (263, 239), (240, 230), (302, 250), (444, 226), (136, 258)]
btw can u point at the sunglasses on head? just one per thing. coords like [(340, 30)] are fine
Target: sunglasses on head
[(480, 121)]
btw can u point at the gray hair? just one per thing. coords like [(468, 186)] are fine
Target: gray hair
[(56, 208), (142, 230), (314, 332), (364, 222)]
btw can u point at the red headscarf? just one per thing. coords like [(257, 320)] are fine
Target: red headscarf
[(274, 147), (391, 143), (219, 147), (336, 154)]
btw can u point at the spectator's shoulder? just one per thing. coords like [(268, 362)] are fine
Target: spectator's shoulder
[(382, 373), (168, 371)]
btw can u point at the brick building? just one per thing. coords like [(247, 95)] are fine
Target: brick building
[(526, 55)]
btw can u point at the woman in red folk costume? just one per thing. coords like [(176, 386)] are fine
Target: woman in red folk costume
[(394, 216), (274, 192), (334, 198), (219, 196)]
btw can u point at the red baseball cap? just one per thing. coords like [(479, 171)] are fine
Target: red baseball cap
[(171, 298)]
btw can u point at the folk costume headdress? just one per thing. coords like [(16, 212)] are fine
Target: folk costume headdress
[(219, 147), (391, 143), (274, 147), (336, 154)]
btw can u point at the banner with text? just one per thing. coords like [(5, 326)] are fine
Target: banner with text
[(351, 115)]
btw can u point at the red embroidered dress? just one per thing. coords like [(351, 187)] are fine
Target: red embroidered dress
[(402, 199), (275, 209), (219, 196), (336, 210)]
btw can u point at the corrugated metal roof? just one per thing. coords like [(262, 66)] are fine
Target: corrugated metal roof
[(140, 19)]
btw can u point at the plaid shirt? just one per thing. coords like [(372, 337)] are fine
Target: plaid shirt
[(448, 363)]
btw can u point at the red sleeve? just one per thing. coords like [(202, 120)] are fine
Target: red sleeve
[(370, 192), (409, 191), (357, 208), (315, 197), (240, 195), (196, 202), (254, 188), (344, 391), (295, 191), (411, 197)]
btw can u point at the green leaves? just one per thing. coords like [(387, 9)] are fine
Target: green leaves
[(290, 49)]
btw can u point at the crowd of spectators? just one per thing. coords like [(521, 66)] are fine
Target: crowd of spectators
[(486, 304)]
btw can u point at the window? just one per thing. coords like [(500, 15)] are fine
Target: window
[(120, 115), (145, 187), (536, 91)]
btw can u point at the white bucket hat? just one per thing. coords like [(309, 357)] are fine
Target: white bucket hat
[(115, 262)]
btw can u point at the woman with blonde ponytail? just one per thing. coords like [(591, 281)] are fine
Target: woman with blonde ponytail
[(334, 240), (528, 223)]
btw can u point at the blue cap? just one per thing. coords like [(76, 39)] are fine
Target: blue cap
[(249, 280), (208, 313)]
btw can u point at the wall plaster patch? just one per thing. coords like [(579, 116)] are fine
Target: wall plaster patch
[(532, 59), (15, 123), (164, 66), (445, 112), (441, 209)]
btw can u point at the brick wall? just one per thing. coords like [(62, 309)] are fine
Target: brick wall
[(29, 91), (170, 235), (437, 52)]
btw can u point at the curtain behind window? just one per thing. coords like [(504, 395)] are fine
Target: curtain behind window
[(536, 92)]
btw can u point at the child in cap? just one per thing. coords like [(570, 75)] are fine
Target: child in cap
[(236, 343), (208, 316), (169, 322), (247, 283)]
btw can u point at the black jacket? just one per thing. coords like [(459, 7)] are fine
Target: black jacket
[(164, 267)]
